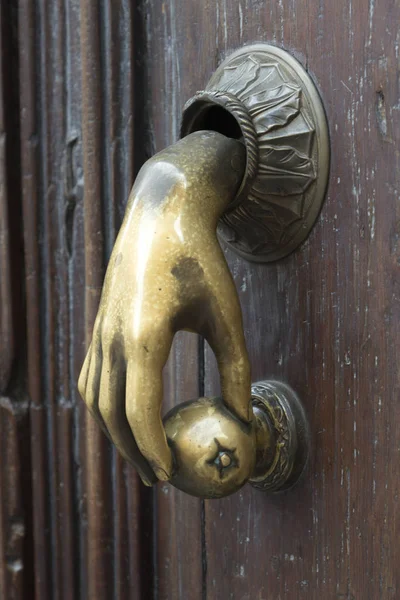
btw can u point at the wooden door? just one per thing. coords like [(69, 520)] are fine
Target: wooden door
[(88, 91)]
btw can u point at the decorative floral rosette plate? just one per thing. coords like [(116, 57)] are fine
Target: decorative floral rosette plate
[(278, 113)]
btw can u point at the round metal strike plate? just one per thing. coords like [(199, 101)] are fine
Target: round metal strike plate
[(281, 408), (263, 95)]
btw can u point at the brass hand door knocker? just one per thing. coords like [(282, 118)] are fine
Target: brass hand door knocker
[(253, 163)]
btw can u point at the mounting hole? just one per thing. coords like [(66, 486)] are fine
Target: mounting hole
[(213, 117)]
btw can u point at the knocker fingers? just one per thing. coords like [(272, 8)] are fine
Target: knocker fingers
[(144, 392), (225, 335)]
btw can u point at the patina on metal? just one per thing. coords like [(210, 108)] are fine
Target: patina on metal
[(253, 156), (216, 453), (271, 102), (167, 272), (281, 463)]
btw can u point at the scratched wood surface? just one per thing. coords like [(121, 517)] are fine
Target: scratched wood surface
[(89, 90), (326, 319)]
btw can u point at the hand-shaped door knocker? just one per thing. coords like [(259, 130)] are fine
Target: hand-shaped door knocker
[(254, 143)]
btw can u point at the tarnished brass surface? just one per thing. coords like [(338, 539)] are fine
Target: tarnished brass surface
[(167, 272), (216, 453), (281, 462)]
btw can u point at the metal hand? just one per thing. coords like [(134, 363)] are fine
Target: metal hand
[(167, 273)]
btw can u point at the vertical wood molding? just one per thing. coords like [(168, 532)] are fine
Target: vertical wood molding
[(7, 341), (29, 183), (90, 513), (16, 569), (98, 489), (117, 505)]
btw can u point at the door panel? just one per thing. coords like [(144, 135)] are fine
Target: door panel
[(98, 88), (325, 319)]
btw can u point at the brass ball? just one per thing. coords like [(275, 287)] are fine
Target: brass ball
[(214, 451)]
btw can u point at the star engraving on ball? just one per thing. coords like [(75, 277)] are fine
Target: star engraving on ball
[(224, 459)]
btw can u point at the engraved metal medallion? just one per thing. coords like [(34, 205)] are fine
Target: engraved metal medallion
[(262, 95), (280, 406)]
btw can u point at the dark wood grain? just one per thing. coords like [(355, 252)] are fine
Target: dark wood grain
[(93, 90), (326, 319), (98, 536), (119, 509), (92, 520), (30, 195), (16, 569), (7, 341)]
